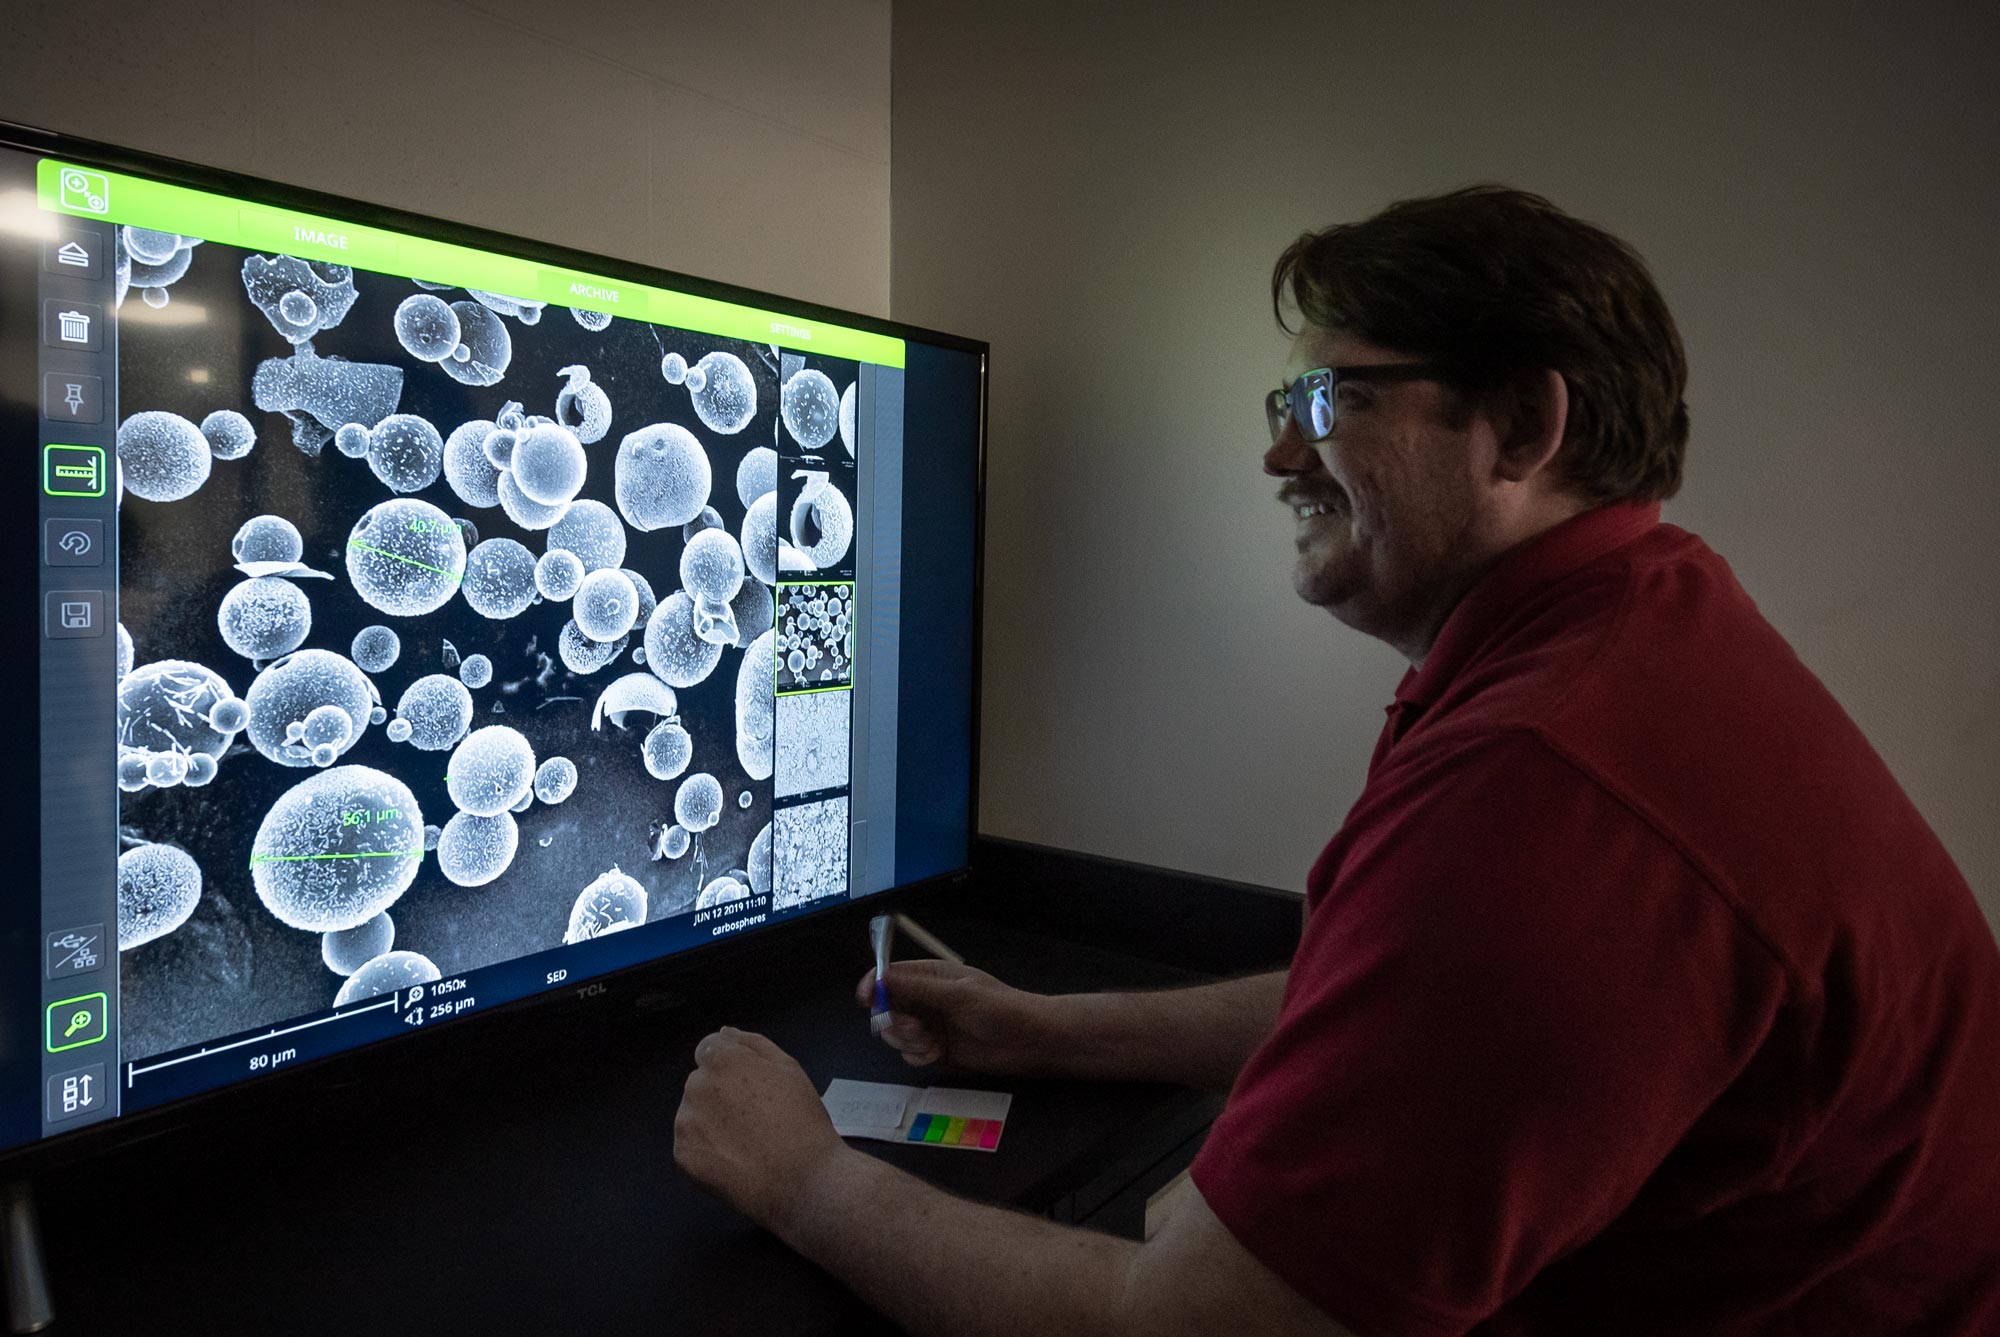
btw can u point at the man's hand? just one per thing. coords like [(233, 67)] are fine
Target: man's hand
[(946, 1013), (751, 1128)]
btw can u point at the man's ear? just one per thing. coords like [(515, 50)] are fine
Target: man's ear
[(1537, 418)]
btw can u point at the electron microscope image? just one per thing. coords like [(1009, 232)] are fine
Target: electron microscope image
[(812, 743), (809, 853), (493, 675), (815, 636)]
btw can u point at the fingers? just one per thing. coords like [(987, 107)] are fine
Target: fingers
[(916, 983)]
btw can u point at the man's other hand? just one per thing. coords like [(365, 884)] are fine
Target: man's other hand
[(751, 1128)]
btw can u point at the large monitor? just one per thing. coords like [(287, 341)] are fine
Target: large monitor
[(426, 620)]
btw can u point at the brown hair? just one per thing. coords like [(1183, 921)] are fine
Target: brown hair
[(1491, 282)]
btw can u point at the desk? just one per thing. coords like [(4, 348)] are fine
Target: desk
[(520, 1178)]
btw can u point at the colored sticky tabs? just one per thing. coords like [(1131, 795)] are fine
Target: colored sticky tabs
[(933, 1116)]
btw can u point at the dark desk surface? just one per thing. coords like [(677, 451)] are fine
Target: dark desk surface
[(523, 1180)]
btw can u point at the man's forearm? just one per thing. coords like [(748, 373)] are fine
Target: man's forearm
[(1196, 1037), (939, 1264)]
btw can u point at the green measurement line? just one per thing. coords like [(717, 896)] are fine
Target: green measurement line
[(256, 859), (398, 557)]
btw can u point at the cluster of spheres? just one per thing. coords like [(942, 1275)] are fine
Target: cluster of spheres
[(337, 849)]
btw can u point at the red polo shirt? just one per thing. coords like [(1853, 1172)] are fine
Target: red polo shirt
[(1634, 995)]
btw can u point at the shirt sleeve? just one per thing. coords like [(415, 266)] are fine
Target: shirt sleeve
[(1512, 1000)]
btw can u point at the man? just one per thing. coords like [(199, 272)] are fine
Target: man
[(1633, 995)]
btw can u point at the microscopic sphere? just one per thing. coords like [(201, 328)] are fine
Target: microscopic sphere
[(526, 802), (267, 538), (583, 656), (264, 618), (558, 574), (326, 724), (756, 707), (555, 780), (661, 477), (166, 769), (377, 715), (149, 247), (391, 972), (426, 327), (810, 407), (158, 888), (523, 511), (468, 531), (606, 605), (710, 518), (488, 348), (398, 731), (796, 661), (298, 307), (499, 579), (823, 525), (467, 470), (591, 320), (490, 770), (667, 750), (612, 902), (582, 406), (155, 297), (436, 710), (760, 538), (229, 434), (721, 891), (289, 690), (405, 452), (847, 417), (726, 400), (674, 842), (324, 755), (673, 368), (698, 802), (712, 566), (405, 557), (756, 475), (431, 834), (132, 769), (473, 850), (351, 440), (228, 715), (753, 610), (201, 768), (743, 800), (549, 464), (673, 652), (165, 706), (476, 671), (347, 950), (591, 530), (759, 865), (126, 650), (162, 456), (376, 649), (337, 848), (498, 446)]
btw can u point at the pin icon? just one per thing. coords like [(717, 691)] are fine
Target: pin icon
[(77, 1022)]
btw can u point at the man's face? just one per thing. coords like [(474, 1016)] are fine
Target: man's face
[(1385, 506)]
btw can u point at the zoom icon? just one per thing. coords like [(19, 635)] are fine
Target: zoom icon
[(73, 543)]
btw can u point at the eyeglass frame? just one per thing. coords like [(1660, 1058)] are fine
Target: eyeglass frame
[(1287, 403)]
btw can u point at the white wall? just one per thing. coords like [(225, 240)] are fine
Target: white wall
[(1101, 191), (745, 141)]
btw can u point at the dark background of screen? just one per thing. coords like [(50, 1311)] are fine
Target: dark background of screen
[(942, 421)]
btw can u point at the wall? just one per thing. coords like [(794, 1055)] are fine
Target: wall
[(747, 142), (1101, 194)]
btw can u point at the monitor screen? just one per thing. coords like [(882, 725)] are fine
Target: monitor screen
[(426, 620)]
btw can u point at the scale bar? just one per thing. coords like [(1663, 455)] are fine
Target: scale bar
[(133, 1070)]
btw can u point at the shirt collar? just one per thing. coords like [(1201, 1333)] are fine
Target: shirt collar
[(1521, 570)]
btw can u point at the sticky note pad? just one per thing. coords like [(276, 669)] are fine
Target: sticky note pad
[(936, 1116)]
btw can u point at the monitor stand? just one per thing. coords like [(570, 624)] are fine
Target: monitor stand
[(28, 1308)]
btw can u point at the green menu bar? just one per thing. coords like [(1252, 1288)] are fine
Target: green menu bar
[(90, 193)]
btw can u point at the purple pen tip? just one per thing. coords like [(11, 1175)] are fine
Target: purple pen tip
[(881, 997)]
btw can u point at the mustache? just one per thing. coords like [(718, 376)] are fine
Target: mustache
[(1295, 493)]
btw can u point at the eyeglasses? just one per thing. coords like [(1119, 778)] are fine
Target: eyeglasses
[(1309, 401)]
